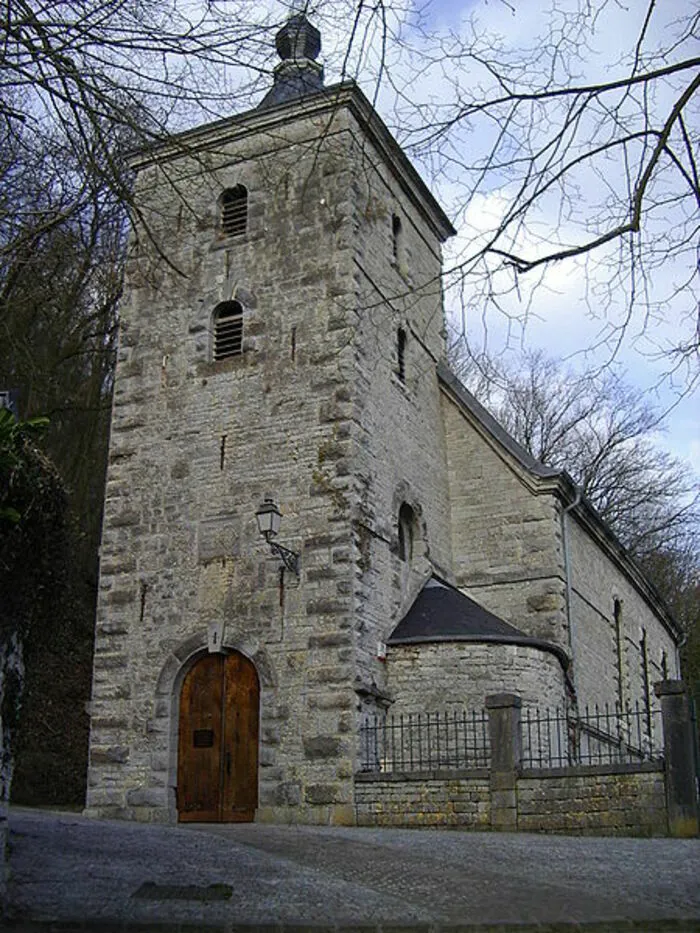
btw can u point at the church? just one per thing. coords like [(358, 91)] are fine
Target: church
[(308, 519)]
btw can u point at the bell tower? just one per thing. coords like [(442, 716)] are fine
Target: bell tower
[(281, 324)]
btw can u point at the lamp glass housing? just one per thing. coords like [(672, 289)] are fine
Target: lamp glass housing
[(269, 517)]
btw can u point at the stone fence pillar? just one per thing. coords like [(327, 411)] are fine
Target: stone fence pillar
[(506, 755), (679, 756)]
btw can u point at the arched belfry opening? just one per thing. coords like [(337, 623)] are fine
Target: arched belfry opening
[(228, 330), (233, 211), (219, 725)]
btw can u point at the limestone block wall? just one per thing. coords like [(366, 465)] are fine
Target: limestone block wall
[(508, 554), (195, 446), (600, 674), (594, 801), (599, 800), (506, 534), (400, 451), (424, 800), (458, 675)]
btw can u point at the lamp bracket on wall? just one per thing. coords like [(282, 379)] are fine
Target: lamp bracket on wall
[(269, 518)]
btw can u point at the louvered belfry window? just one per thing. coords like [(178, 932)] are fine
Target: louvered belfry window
[(228, 330), (234, 211)]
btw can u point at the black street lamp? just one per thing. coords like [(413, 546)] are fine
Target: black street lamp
[(269, 518)]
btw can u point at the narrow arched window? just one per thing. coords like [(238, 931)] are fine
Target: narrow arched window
[(619, 652), (401, 354), (395, 237), (234, 211), (228, 330), (407, 521)]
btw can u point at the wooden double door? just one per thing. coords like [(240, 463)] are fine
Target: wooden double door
[(217, 774)]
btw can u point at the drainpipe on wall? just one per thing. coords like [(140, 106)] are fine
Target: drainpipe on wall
[(677, 653), (567, 568)]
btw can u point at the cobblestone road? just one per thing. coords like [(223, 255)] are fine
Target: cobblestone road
[(69, 869)]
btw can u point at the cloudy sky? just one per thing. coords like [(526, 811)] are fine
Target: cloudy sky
[(579, 310)]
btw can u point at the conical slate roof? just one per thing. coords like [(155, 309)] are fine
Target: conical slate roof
[(443, 613)]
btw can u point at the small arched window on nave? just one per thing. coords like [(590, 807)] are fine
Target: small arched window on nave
[(396, 238), (401, 354), (233, 207), (406, 532), (228, 330)]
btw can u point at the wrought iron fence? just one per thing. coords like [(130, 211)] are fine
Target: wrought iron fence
[(440, 741), (553, 738)]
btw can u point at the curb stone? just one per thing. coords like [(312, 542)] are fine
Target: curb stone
[(99, 926)]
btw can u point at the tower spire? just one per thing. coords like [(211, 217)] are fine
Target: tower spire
[(298, 44)]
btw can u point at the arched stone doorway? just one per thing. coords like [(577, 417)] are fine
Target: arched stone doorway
[(217, 773)]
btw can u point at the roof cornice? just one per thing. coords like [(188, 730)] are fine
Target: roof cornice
[(534, 473), (589, 518)]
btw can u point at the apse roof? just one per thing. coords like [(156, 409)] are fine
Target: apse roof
[(442, 612)]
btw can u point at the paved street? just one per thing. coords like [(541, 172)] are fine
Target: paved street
[(123, 875)]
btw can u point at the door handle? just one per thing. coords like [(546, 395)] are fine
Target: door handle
[(228, 763)]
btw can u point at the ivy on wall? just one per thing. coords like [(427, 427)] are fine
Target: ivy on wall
[(37, 603)]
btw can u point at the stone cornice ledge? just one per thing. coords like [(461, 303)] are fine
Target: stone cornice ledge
[(519, 641)]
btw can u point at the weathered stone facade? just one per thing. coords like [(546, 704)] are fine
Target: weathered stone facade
[(624, 659), (196, 445), (420, 800), (460, 675), (505, 528), (338, 405)]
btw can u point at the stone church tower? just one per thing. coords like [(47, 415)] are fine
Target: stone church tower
[(281, 353), (280, 331)]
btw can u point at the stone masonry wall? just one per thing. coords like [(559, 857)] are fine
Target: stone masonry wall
[(508, 554), (506, 538), (195, 446), (424, 800), (593, 801), (312, 412), (459, 675), (596, 583), (614, 800), (400, 451)]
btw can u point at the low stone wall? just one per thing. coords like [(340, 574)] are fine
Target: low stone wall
[(624, 800), (615, 800), (457, 798)]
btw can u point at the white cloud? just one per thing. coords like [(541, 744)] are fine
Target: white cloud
[(576, 307)]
